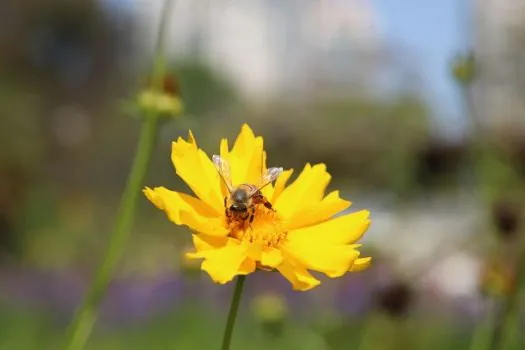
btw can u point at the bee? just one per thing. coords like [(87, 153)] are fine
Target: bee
[(241, 202)]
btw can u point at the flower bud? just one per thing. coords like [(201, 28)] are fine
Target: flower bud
[(270, 309), (463, 69), (166, 101), (497, 279)]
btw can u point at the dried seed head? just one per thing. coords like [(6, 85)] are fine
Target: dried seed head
[(505, 216), (395, 299)]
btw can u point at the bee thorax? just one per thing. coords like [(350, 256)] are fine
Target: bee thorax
[(240, 195)]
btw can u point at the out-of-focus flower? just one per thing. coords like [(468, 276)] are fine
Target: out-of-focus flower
[(395, 299), (506, 219), (464, 68), (165, 101), (439, 161), (270, 310), (497, 279), (298, 233)]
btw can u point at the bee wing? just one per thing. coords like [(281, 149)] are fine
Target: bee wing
[(223, 167), (269, 176)]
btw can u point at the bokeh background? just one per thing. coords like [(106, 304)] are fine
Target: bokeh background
[(416, 106)]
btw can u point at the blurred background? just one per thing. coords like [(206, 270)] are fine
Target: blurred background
[(415, 106)]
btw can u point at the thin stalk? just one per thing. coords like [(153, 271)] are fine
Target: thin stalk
[(86, 317), (483, 332), (510, 334), (82, 325), (232, 315)]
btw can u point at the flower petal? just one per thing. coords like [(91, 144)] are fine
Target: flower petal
[(318, 212), (225, 263), (201, 224), (280, 184), (298, 276), (360, 264), (196, 169), (307, 189), (334, 261), (246, 157), (248, 266), (344, 229), (172, 203), (271, 257), (207, 242)]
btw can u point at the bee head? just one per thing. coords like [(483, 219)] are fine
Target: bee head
[(238, 207)]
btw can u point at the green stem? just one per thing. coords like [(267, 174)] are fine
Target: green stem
[(510, 337), (234, 307), (481, 339), (85, 318)]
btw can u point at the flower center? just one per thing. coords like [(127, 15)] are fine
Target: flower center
[(267, 228)]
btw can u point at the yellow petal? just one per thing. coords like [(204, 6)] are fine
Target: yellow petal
[(307, 189), (343, 229), (248, 266), (268, 189), (318, 212), (225, 263), (183, 209), (225, 154), (246, 157), (298, 276), (207, 242), (334, 261), (267, 256), (280, 184), (361, 264), (201, 224), (172, 203), (271, 257), (196, 169)]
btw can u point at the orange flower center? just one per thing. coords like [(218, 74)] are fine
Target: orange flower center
[(267, 228)]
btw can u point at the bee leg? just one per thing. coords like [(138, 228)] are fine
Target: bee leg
[(225, 202), (268, 205), (250, 218)]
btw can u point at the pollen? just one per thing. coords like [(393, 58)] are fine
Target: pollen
[(267, 228)]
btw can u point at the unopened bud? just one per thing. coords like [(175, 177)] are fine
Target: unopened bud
[(463, 69), (497, 279), (165, 101), (270, 310)]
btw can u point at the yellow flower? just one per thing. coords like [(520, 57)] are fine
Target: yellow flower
[(298, 234)]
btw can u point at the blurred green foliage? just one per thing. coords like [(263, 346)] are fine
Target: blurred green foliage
[(194, 328), (203, 89)]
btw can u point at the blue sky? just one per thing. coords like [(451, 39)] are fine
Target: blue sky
[(435, 31)]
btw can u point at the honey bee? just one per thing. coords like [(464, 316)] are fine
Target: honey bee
[(241, 203)]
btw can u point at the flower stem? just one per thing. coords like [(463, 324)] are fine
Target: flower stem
[(510, 333), (85, 318), (234, 307)]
